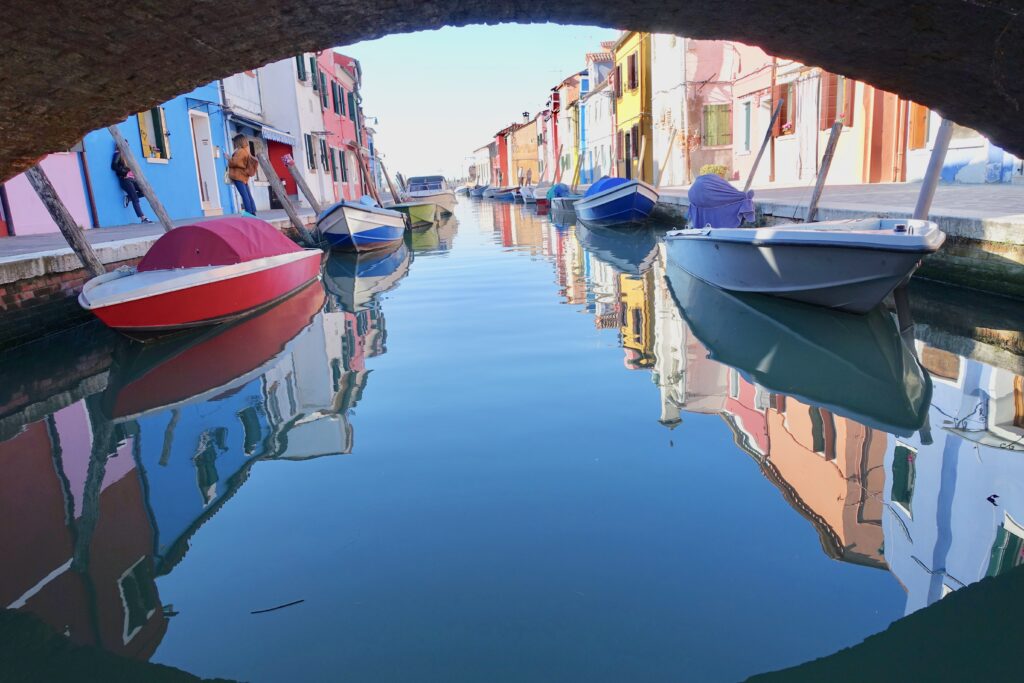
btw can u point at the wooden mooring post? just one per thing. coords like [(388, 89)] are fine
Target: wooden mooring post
[(826, 164), (395, 196), (764, 145), (140, 178), (277, 187), (664, 161), (71, 230), (300, 182)]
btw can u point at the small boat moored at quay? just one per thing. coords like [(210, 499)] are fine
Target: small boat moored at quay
[(617, 201), (419, 214), (857, 366), (202, 274), (431, 188), (504, 194), (360, 226), (478, 191), (562, 198), (489, 192), (850, 265)]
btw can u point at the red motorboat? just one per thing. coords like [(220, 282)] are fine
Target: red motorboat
[(202, 274)]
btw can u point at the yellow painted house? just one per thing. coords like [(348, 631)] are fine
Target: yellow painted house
[(634, 138)]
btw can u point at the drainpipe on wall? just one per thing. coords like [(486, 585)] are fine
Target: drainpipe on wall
[(5, 208), (686, 119), (771, 151), (83, 165)]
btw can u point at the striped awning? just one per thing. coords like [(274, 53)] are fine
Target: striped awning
[(264, 130)]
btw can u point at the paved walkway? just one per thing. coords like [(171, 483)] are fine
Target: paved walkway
[(25, 245), (991, 212)]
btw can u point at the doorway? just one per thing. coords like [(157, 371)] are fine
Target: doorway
[(206, 164)]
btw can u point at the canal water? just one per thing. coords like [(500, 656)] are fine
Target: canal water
[(512, 449)]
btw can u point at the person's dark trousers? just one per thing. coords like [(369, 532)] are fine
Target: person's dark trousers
[(128, 185), (247, 203)]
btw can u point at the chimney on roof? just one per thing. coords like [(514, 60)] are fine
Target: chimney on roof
[(526, 117)]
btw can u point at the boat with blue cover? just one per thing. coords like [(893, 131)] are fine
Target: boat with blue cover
[(562, 198), (617, 201), (360, 226)]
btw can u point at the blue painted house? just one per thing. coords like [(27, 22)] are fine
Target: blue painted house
[(183, 151)]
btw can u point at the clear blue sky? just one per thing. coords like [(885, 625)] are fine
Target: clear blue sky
[(441, 94)]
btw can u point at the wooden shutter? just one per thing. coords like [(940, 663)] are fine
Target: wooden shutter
[(323, 89), (618, 80), (777, 94), (310, 159), (850, 103), (300, 67), (313, 72), (144, 134), (827, 103), (163, 136)]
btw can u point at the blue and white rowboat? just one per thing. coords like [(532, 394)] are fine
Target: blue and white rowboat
[(355, 226), (615, 201)]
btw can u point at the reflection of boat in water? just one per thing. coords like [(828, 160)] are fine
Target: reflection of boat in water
[(632, 252), (437, 238), (153, 377), (855, 365), (353, 280)]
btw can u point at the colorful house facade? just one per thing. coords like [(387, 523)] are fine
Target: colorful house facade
[(183, 149), (296, 108), (23, 213), (525, 163), (634, 143)]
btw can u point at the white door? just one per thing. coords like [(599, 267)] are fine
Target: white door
[(206, 165)]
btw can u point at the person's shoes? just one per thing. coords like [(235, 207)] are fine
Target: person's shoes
[(126, 201), (145, 220)]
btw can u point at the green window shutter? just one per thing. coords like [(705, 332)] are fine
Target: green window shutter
[(344, 166), (334, 164), (309, 152), (313, 72), (300, 67), (323, 89)]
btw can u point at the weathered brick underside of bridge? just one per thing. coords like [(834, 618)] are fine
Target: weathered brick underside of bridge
[(72, 66)]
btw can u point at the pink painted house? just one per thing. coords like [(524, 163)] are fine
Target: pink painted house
[(338, 82), (22, 213)]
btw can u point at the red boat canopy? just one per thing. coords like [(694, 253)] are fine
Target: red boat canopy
[(217, 242)]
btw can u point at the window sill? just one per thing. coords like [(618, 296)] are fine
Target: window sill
[(157, 160)]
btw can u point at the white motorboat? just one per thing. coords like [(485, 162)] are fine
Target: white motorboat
[(528, 194), (848, 264), (432, 188)]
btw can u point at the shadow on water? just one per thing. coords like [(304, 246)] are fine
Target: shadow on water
[(903, 459)]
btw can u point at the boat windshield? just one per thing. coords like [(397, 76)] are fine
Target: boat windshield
[(428, 182)]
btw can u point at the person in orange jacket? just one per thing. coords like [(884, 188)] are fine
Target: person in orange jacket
[(242, 167)]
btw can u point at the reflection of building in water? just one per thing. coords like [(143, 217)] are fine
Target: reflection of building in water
[(942, 531), (829, 468), (77, 541), (501, 219), (681, 370), (636, 325), (577, 269), (105, 508), (528, 232), (604, 288)]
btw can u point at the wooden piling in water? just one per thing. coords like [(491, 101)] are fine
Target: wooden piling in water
[(764, 145), (72, 232), (140, 178), (826, 164), (300, 182), (278, 189)]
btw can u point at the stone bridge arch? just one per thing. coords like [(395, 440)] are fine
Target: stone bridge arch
[(70, 66)]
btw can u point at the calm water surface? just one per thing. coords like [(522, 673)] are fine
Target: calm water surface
[(510, 450)]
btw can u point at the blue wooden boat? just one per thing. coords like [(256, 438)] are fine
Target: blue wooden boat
[(353, 281), (478, 191), (617, 201), (505, 194), (360, 226)]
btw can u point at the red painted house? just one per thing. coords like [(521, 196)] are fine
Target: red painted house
[(500, 173), (339, 97)]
